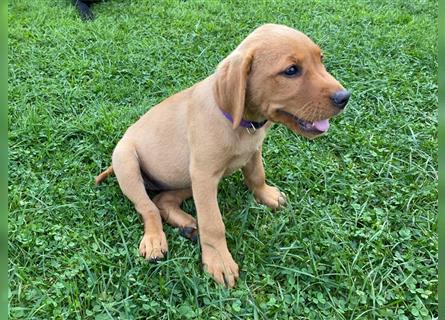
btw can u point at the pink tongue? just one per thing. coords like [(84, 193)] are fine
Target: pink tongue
[(322, 125)]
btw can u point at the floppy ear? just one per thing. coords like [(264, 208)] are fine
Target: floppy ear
[(230, 86)]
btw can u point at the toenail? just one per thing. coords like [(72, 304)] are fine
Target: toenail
[(154, 259)]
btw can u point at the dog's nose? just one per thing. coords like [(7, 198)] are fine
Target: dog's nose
[(340, 98)]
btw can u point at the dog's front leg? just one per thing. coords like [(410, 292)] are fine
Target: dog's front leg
[(255, 179), (216, 257)]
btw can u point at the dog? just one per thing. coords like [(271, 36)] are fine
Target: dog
[(183, 146)]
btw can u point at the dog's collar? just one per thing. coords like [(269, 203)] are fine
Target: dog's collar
[(245, 123)]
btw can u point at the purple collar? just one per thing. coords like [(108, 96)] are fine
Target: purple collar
[(245, 123)]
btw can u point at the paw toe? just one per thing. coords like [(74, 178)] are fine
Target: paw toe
[(190, 233), (271, 197), (153, 248)]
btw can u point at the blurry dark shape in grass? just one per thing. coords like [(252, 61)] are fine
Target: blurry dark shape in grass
[(84, 8)]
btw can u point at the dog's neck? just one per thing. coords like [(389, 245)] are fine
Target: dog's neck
[(248, 124), (253, 116), (251, 113)]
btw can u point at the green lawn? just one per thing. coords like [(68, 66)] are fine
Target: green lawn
[(358, 237)]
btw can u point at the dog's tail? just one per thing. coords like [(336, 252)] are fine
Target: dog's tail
[(103, 175)]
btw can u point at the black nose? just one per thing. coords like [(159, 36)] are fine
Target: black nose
[(340, 98)]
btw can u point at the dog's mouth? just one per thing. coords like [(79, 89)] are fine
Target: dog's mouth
[(320, 126), (310, 127)]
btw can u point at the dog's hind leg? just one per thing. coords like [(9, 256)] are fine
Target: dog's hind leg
[(169, 203), (127, 170)]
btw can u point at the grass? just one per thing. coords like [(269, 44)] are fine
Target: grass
[(358, 238)]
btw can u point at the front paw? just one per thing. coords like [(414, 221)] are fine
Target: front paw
[(270, 196), (220, 265), (153, 246)]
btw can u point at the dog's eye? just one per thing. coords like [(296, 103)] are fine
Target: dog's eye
[(292, 71)]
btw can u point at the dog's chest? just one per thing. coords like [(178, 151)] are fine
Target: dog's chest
[(243, 149)]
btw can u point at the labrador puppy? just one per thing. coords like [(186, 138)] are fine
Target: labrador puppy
[(183, 146)]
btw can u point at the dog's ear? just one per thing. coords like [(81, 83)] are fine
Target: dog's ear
[(231, 82)]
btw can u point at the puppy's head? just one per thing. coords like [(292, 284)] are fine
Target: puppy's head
[(277, 73)]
